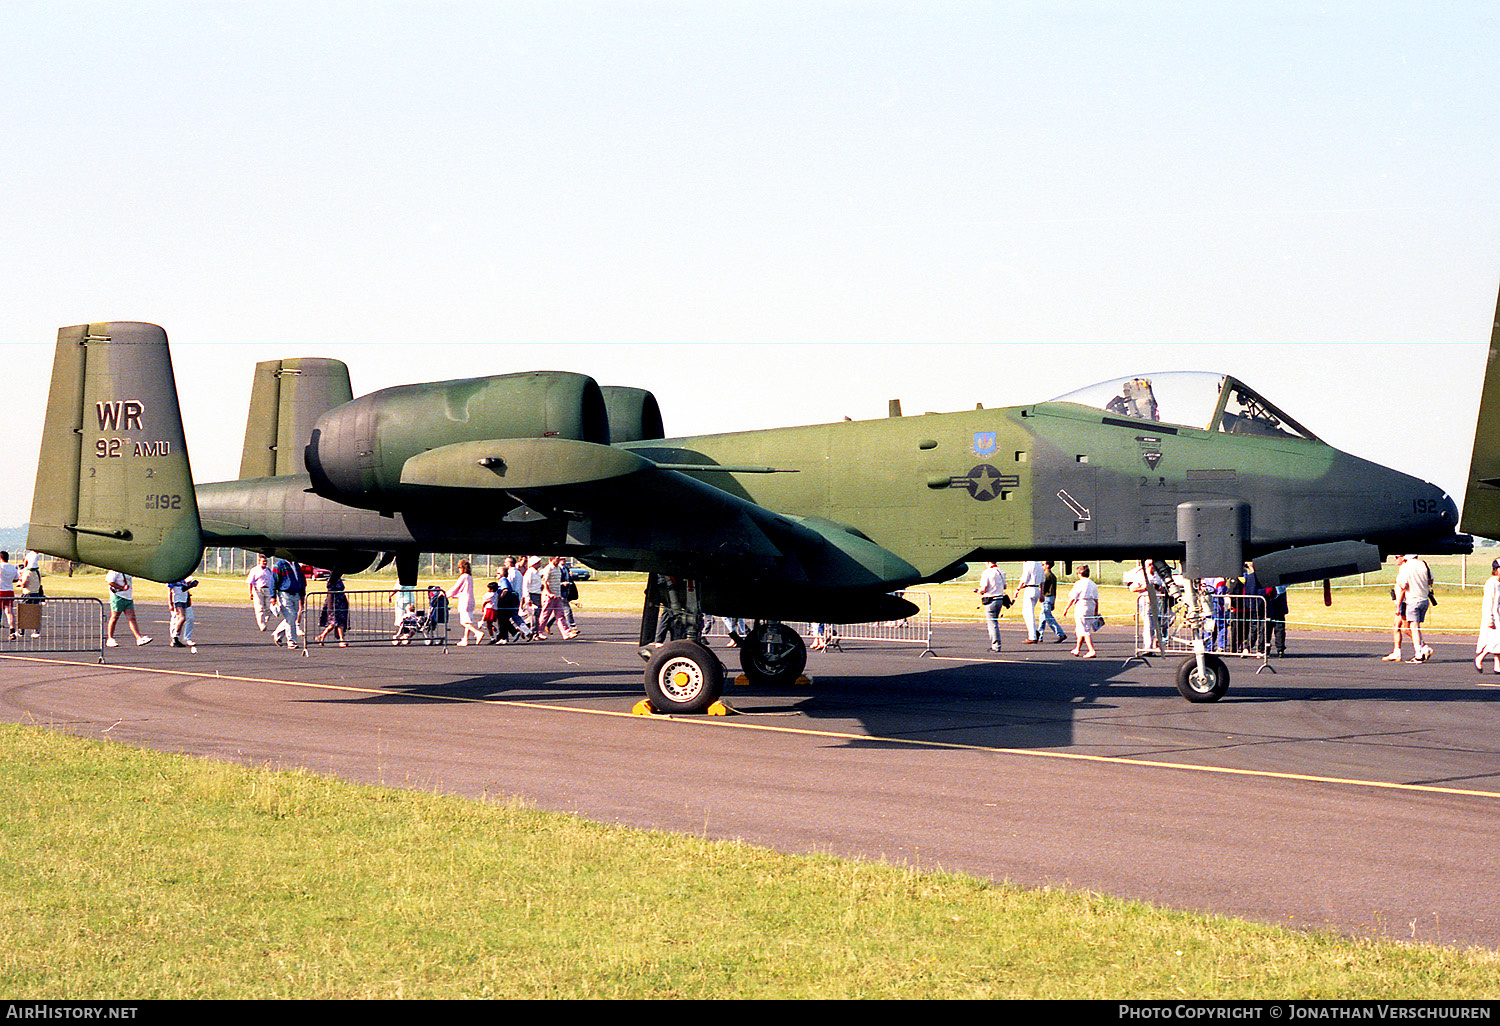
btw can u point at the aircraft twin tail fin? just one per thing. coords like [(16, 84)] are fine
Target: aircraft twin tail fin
[(113, 484), (286, 401), (1482, 499)]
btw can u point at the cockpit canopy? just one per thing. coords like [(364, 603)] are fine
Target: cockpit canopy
[(1212, 402)]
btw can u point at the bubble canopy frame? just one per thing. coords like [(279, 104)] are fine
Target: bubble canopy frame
[(1218, 403)]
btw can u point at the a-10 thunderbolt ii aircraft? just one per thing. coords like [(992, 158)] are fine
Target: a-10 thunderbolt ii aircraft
[(821, 523)]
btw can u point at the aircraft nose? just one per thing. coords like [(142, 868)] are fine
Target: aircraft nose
[(1436, 516), (1436, 508)]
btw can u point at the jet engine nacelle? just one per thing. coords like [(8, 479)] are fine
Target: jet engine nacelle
[(633, 414), (358, 449)]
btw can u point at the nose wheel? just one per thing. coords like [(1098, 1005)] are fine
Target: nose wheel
[(1205, 684)]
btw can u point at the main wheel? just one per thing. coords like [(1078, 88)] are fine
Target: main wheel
[(1202, 687), (684, 677), (774, 655)]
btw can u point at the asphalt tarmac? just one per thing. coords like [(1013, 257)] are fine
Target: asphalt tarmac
[(1338, 791)]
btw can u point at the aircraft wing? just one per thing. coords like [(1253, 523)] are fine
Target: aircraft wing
[(628, 510)]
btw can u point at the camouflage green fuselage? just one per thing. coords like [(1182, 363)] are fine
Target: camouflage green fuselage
[(1060, 480)]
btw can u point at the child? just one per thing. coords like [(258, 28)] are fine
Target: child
[(180, 595), (491, 617), (408, 626)]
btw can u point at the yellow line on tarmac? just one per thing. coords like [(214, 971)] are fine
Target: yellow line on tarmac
[(747, 724)]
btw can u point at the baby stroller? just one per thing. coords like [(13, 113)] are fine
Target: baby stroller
[(431, 626), (435, 624)]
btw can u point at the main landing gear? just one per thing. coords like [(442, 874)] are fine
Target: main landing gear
[(773, 654), (683, 675)]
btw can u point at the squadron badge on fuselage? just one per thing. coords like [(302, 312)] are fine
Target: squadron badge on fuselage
[(985, 443)]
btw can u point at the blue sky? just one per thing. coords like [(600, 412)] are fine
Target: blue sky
[(769, 213)]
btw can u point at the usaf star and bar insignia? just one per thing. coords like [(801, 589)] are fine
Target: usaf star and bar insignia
[(984, 482)]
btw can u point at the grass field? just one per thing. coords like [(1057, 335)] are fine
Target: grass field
[(138, 875)]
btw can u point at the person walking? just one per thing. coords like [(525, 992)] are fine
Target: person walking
[(553, 605), (180, 625), (334, 616), (1414, 588), (512, 591), (1085, 599), (122, 605), (992, 597), (1146, 585), (532, 583), (1029, 594), (461, 595), (9, 575), (1049, 602), (31, 594), (1489, 622), (262, 584), (289, 586)]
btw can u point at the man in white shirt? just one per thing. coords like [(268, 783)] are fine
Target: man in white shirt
[(1146, 585), (1029, 594), (122, 603), (991, 590), (1413, 597), (261, 582)]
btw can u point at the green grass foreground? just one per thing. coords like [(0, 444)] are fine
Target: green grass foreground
[(137, 875)]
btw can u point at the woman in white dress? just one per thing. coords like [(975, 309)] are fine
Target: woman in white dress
[(1085, 597), (462, 597), (1489, 621)]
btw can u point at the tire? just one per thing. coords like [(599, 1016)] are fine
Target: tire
[(684, 677), (1197, 688), (773, 655)]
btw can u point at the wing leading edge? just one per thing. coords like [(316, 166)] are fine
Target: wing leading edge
[(630, 512)]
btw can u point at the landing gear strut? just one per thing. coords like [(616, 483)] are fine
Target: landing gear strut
[(682, 675), (1201, 677)]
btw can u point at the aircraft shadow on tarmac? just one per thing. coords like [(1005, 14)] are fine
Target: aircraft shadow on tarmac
[(1020, 701)]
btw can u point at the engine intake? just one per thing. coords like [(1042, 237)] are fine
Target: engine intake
[(634, 415)]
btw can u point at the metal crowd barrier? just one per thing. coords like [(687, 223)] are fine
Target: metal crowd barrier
[(1237, 625), (377, 617), (916, 629), (44, 624)]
